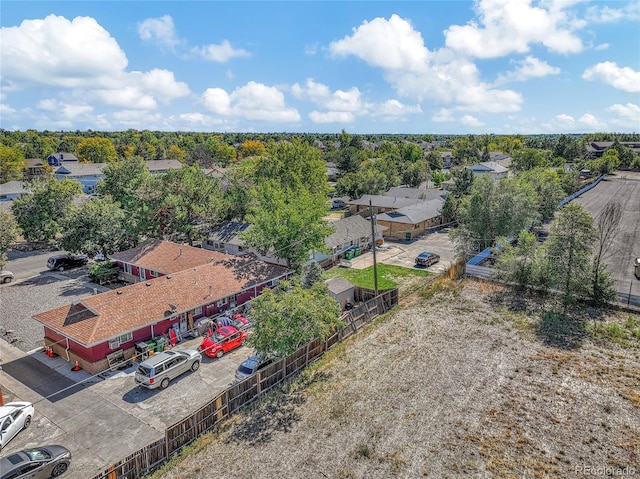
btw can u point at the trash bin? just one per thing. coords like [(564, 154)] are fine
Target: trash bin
[(357, 252), (160, 345), (152, 345), (349, 254)]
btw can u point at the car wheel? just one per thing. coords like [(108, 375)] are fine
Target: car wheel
[(164, 383), (60, 268), (27, 422), (219, 354), (7, 279), (195, 366), (59, 469)]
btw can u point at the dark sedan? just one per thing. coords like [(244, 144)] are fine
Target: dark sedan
[(36, 463)]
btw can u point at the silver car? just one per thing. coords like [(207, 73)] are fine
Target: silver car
[(6, 276), (36, 463), (162, 368), (14, 417)]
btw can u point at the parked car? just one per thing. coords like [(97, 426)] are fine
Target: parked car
[(250, 366), (36, 463), (14, 417), (240, 322), (66, 261), (161, 368), (427, 259), (223, 340), (6, 276)]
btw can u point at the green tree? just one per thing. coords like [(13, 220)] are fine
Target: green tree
[(568, 252), (529, 158), (462, 182), (294, 165), (288, 223), (516, 264), (176, 153), (96, 226), (236, 196), (289, 317), (12, 163), (414, 174), (96, 150), (178, 203), (494, 208), (312, 275), (410, 152), (9, 231), (547, 185), (122, 180), (40, 212), (350, 155)]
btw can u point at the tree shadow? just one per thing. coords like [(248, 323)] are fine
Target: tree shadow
[(560, 330), (276, 412)]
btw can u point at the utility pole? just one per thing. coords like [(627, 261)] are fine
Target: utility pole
[(373, 240)]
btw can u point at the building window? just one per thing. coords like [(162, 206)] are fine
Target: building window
[(197, 311), (116, 342), (222, 302), (127, 268), (153, 274)]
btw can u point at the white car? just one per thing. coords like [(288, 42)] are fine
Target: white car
[(6, 276), (14, 417)]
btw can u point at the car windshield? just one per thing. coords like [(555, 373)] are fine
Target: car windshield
[(37, 454), (217, 337), (244, 369)]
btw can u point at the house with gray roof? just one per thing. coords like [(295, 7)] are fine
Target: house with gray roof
[(350, 233), (411, 221), (379, 204), (12, 190), (489, 168)]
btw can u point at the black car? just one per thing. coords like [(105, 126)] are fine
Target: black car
[(35, 463), (66, 261), (427, 259)]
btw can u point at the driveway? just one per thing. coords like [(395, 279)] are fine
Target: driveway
[(403, 253), (103, 419)]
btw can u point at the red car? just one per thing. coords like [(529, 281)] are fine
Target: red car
[(223, 340), (240, 322)]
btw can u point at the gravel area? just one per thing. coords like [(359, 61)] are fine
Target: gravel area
[(19, 301), (467, 381)]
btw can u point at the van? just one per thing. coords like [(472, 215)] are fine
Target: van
[(160, 369)]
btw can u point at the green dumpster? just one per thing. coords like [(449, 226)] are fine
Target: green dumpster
[(160, 345), (349, 254), (357, 252), (152, 345)]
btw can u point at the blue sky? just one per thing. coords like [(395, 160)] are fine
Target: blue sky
[(416, 67)]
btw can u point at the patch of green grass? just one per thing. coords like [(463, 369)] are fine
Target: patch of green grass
[(364, 277), (625, 334)]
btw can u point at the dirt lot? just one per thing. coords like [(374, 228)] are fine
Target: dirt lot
[(464, 379)]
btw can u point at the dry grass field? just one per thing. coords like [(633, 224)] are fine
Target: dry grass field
[(464, 379)]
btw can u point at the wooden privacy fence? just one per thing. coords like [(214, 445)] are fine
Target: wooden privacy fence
[(245, 392)]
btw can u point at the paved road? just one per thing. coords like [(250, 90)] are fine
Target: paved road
[(28, 264), (624, 187)]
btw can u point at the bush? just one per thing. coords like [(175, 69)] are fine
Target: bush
[(105, 272)]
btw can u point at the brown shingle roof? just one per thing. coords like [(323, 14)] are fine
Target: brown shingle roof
[(166, 257), (100, 317)]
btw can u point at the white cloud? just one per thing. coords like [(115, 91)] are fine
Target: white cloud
[(589, 120), (160, 30), (607, 14), (339, 100), (628, 113), (396, 108), (36, 52), (444, 77), (390, 44), (65, 110), (220, 53), (568, 123), (469, 120), (530, 67), (602, 46), (6, 109), (625, 79), (332, 117), (85, 60), (508, 26), (443, 116), (253, 101)]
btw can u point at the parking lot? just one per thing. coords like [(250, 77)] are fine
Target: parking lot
[(105, 418)]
